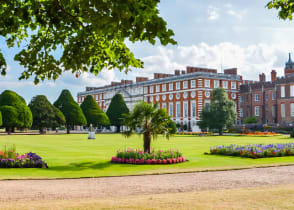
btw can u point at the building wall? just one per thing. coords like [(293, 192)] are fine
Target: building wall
[(188, 89)]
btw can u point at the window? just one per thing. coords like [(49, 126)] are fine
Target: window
[(283, 110), (185, 109), (178, 85), (225, 84), (266, 97), (256, 97), (151, 89), (171, 96), (206, 103), (193, 108), (233, 85), (157, 88), (207, 94), (233, 95), (164, 105), (164, 97), (241, 112), (216, 83), (157, 98), (163, 87), (207, 83), (171, 109), (292, 90), (193, 94), (151, 98), (292, 109), (283, 91), (178, 96), (170, 86), (193, 83), (185, 95), (185, 84), (145, 89), (256, 111), (178, 109), (273, 111), (241, 99), (273, 96)]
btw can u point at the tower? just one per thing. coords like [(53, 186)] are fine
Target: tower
[(289, 67)]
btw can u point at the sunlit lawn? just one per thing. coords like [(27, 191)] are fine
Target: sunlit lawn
[(73, 156)]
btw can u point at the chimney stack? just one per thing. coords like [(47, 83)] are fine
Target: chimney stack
[(177, 72), (262, 77), (274, 75)]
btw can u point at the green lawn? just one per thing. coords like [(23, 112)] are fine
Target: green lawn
[(73, 156)]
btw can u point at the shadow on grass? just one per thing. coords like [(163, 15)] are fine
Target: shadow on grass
[(81, 166)]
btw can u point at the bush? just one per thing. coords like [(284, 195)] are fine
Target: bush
[(173, 127), (251, 120)]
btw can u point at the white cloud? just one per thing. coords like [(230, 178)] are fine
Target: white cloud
[(250, 60), (213, 13), (237, 14)]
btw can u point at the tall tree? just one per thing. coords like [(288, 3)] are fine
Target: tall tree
[(16, 113), (115, 111), (45, 115), (71, 110), (0, 119), (93, 113), (150, 120), (89, 35), (285, 8), (220, 114)]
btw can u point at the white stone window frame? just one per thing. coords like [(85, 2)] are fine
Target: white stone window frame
[(216, 83), (207, 83), (178, 109), (163, 87), (225, 84), (171, 86), (185, 85), (157, 88), (178, 85), (193, 83), (233, 85), (256, 111)]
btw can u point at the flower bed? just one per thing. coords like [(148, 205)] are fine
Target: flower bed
[(255, 150), (10, 159), (259, 133), (132, 156)]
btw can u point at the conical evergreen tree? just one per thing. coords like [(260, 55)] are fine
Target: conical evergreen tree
[(115, 111), (71, 110), (93, 113)]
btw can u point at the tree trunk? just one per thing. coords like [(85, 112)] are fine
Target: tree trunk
[(220, 131), (68, 129), (147, 142), (42, 131), (8, 130), (118, 129)]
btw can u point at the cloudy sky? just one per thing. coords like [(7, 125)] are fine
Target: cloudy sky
[(210, 33)]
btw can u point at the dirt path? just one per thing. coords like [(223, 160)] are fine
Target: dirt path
[(149, 184)]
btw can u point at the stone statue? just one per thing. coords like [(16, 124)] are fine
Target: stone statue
[(91, 132)]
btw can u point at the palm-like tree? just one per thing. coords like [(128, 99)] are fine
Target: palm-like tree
[(148, 120)]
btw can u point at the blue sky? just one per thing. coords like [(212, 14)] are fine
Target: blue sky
[(210, 33)]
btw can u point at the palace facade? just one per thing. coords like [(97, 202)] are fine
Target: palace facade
[(272, 102), (183, 94)]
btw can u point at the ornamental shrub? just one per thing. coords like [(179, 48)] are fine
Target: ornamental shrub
[(292, 134)]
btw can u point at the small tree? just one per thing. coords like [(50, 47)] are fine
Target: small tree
[(220, 114), (117, 108), (45, 115), (251, 120), (172, 126), (71, 110), (94, 113), (18, 115), (150, 120)]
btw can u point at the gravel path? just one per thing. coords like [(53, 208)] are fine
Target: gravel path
[(149, 184)]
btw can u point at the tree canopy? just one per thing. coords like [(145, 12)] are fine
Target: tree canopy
[(220, 114), (285, 8), (148, 120), (45, 115), (115, 111), (86, 35), (71, 110), (15, 111), (93, 113)]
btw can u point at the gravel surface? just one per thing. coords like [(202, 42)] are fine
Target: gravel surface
[(148, 184)]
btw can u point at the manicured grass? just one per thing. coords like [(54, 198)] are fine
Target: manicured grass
[(74, 156)]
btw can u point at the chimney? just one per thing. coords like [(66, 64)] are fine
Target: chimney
[(274, 75), (262, 77), (177, 72), (183, 72), (231, 71)]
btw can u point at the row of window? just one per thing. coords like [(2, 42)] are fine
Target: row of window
[(283, 111), (257, 97), (192, 85), (178, 109)]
